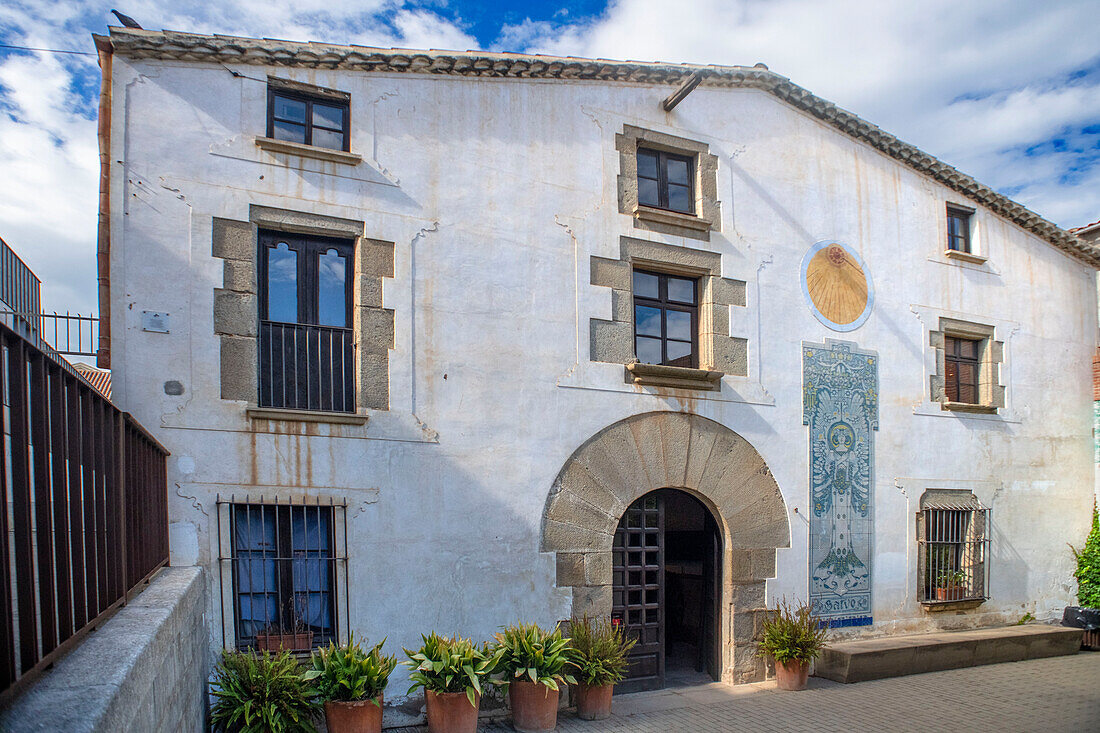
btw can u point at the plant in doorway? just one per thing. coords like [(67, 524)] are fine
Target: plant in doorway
[(261, 692), (452, 672), (600, 661), (351, 681), (533, 663), (793, 638)]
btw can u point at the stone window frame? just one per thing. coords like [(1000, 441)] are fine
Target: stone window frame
[(974, 254), (720, 354), (707, 215), (991, 393), (236, 310)]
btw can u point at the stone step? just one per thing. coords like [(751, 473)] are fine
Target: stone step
[(895, 656)]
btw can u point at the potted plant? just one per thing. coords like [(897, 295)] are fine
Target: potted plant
[(600, 649), (533, 663), (261, 693), (350, 681), (793, 639), (293, 635), (451, 671), (950, 586), (1087, 615)]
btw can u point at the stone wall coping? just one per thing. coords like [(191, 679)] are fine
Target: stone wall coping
[(954, 254), (661, 375), (675, 218), (101, 683), (219, 49)]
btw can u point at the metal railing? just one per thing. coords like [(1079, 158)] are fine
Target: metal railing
[(306, 367), (20, 289), (284, 571), (86, 508), (953, 555), (70, 334)]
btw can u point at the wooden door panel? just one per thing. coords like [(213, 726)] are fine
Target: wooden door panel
[(638, 567)]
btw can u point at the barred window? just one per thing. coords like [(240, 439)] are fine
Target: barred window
[(285, 566), (953, 540)]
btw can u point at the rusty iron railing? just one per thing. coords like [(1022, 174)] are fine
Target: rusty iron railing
[(20, 289), (86, 508), (69, 334)]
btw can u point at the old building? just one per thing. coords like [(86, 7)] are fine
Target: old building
[(448, 340)]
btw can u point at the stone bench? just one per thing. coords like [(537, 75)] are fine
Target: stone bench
[(894, 656)]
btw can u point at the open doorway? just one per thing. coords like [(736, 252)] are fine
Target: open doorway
[(666, 566)]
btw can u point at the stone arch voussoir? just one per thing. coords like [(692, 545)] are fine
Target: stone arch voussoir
[(657, 450)]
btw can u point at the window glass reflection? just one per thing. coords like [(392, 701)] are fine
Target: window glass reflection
[(282, 283), (332, 289)]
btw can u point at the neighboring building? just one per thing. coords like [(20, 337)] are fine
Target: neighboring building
[(449, 340)]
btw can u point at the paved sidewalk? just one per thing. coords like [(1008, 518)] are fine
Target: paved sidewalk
[(1049, 695)]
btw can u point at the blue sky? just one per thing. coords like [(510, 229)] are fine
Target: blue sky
[(1007, 90)]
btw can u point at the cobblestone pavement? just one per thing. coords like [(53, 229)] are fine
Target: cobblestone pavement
[(1049, 695)]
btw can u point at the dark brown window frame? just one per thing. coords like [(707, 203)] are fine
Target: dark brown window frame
[(305, 365), (298, 95), (662, 179), (663, 304), (959, 242), (952, 387)]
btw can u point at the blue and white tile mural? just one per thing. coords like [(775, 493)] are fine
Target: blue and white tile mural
[(840, 404)]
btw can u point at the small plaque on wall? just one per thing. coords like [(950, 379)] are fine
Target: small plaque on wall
[(154, 321)]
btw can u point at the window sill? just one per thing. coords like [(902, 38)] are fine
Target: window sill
[(968, 407), (954, 254), (659, 375), (672, 218), (334, 418), (960, 605), (308, 151)]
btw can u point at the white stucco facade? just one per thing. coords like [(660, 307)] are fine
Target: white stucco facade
[(496, 194)]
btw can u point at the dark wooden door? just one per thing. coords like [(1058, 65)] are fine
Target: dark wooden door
[(639, 586)]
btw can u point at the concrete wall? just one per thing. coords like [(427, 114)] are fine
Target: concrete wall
[(497, 193), (143, 670)]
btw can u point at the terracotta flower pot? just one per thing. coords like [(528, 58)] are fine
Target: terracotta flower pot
[(355, 716), (791, 675), (950, 593), (593, 701), (534, 707), (451, 712), (291, 642)]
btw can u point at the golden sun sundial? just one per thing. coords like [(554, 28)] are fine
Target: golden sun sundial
[(836, 285)]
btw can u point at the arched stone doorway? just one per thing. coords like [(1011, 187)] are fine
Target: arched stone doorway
[(671, 450)]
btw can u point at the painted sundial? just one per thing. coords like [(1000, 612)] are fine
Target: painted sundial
[(836, 285)]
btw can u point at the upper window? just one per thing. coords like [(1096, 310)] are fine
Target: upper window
[(962, 366), (306, 340), (666, 316), (299, 117), (958, 230), (665, 180)]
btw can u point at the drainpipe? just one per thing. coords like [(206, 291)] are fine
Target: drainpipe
[(103, 233)]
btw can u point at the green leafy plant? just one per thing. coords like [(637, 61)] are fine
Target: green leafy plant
[(951, 579), (449, 664), (348, 672), (1088, 566), (1026, 618), (793, 635), (527, 651), (261, 693), (600, 650)]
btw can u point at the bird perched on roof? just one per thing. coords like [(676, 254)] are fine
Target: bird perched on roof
[(126, 20)]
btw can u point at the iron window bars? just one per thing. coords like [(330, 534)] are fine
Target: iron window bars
[(666, 180), (953, 553), (306, 343), (321, 118), (284, 571), (666, 319), (958, 229)]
